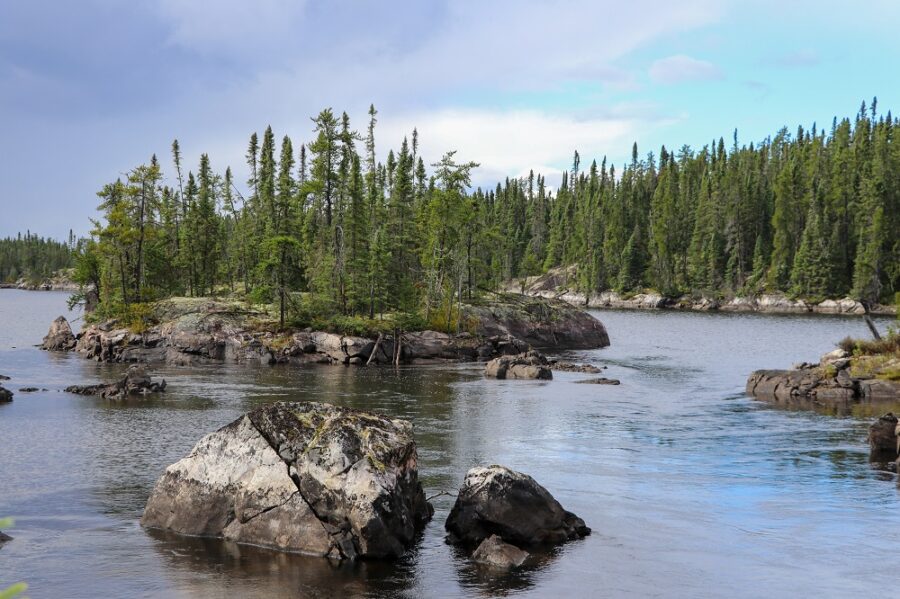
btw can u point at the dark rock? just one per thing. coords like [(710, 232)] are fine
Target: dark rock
[(59, 337), (495, 553), (135, 382), (599, 381), (3, 377), (529, 365), (498, 501), (4, 538), (883, 440), (28, 389), (304, 477), (6, 395)]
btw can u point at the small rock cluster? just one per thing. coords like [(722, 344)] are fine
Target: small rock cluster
[(527, 365), (135, 382), (343, 484)]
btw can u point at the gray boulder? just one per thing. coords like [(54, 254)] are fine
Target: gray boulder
[(303, 477), (59, 337), (529, 365), (498, 501)]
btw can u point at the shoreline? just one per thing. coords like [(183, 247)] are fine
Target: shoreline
[(763, 304)]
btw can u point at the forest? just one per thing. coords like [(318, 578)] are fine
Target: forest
[(33, 258), (325, 228)]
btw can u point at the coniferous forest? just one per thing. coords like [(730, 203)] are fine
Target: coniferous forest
[(31, 257), (813, 213)]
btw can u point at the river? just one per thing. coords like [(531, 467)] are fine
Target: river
[(692, 488)]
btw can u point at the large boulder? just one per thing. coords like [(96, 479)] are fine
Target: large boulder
[(498, 501), (6, 395), (883, 440), (59, 337), (537, 321), (305, 477), (529, 365)]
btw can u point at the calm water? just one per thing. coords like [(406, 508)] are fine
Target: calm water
[(692, 489)]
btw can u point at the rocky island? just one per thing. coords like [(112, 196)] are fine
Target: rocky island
[(185, 331), (858, 371)]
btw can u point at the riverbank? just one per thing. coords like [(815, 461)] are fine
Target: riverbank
[(187, 331), (555, 284)]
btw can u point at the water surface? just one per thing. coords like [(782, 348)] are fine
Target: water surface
[(692, 489)]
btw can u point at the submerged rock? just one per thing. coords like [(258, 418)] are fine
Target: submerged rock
[(135, 382), (529, 365), (4, 538), (599, 381), (59, 337), (28, 389), (6, 395), (572, 367), (304, 477), (884, 444), (495, 553), (498, 501)]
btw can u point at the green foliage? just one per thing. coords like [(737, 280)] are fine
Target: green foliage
[(815, 214)]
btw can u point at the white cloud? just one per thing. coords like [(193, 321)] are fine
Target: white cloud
[(510, 143), (680, 68)]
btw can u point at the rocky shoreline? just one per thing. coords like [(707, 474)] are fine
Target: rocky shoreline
[(554, 285), (837, 381), (201, 330), (60, 281)]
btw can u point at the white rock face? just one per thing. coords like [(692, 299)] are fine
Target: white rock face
[(303, 477)]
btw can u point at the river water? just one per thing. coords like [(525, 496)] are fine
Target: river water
[(691, 488)]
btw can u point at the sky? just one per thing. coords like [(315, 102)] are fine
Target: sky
[(91, 89)]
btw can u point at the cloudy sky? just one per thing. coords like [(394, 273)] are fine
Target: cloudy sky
[(89, 89)]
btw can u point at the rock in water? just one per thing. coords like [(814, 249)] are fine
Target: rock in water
[(497, 554), (883, 441), (499, 501), (6, 395), (4, 538), (59, 337), (305, 477), (529, 365), (135, 382)]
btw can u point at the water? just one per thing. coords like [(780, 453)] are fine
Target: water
[(692, 489)]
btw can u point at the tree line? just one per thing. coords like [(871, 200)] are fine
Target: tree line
[(33, 258), (327, 228)]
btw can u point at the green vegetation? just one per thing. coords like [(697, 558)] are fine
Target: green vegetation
[(815, 214), (33, 258), (876, 358)]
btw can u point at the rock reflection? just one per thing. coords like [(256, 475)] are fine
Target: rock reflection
[(229, 569)]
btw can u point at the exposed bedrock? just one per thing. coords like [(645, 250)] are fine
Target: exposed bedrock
[(304, 477)]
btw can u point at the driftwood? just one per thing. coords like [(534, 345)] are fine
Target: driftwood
[(869, 321), (375, 349)]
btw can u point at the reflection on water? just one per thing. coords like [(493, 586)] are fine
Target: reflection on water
[(692, 489)]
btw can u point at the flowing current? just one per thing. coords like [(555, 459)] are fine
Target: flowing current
[(692, 488)]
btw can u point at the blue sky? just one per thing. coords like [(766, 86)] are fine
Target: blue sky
[(90, 89)]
